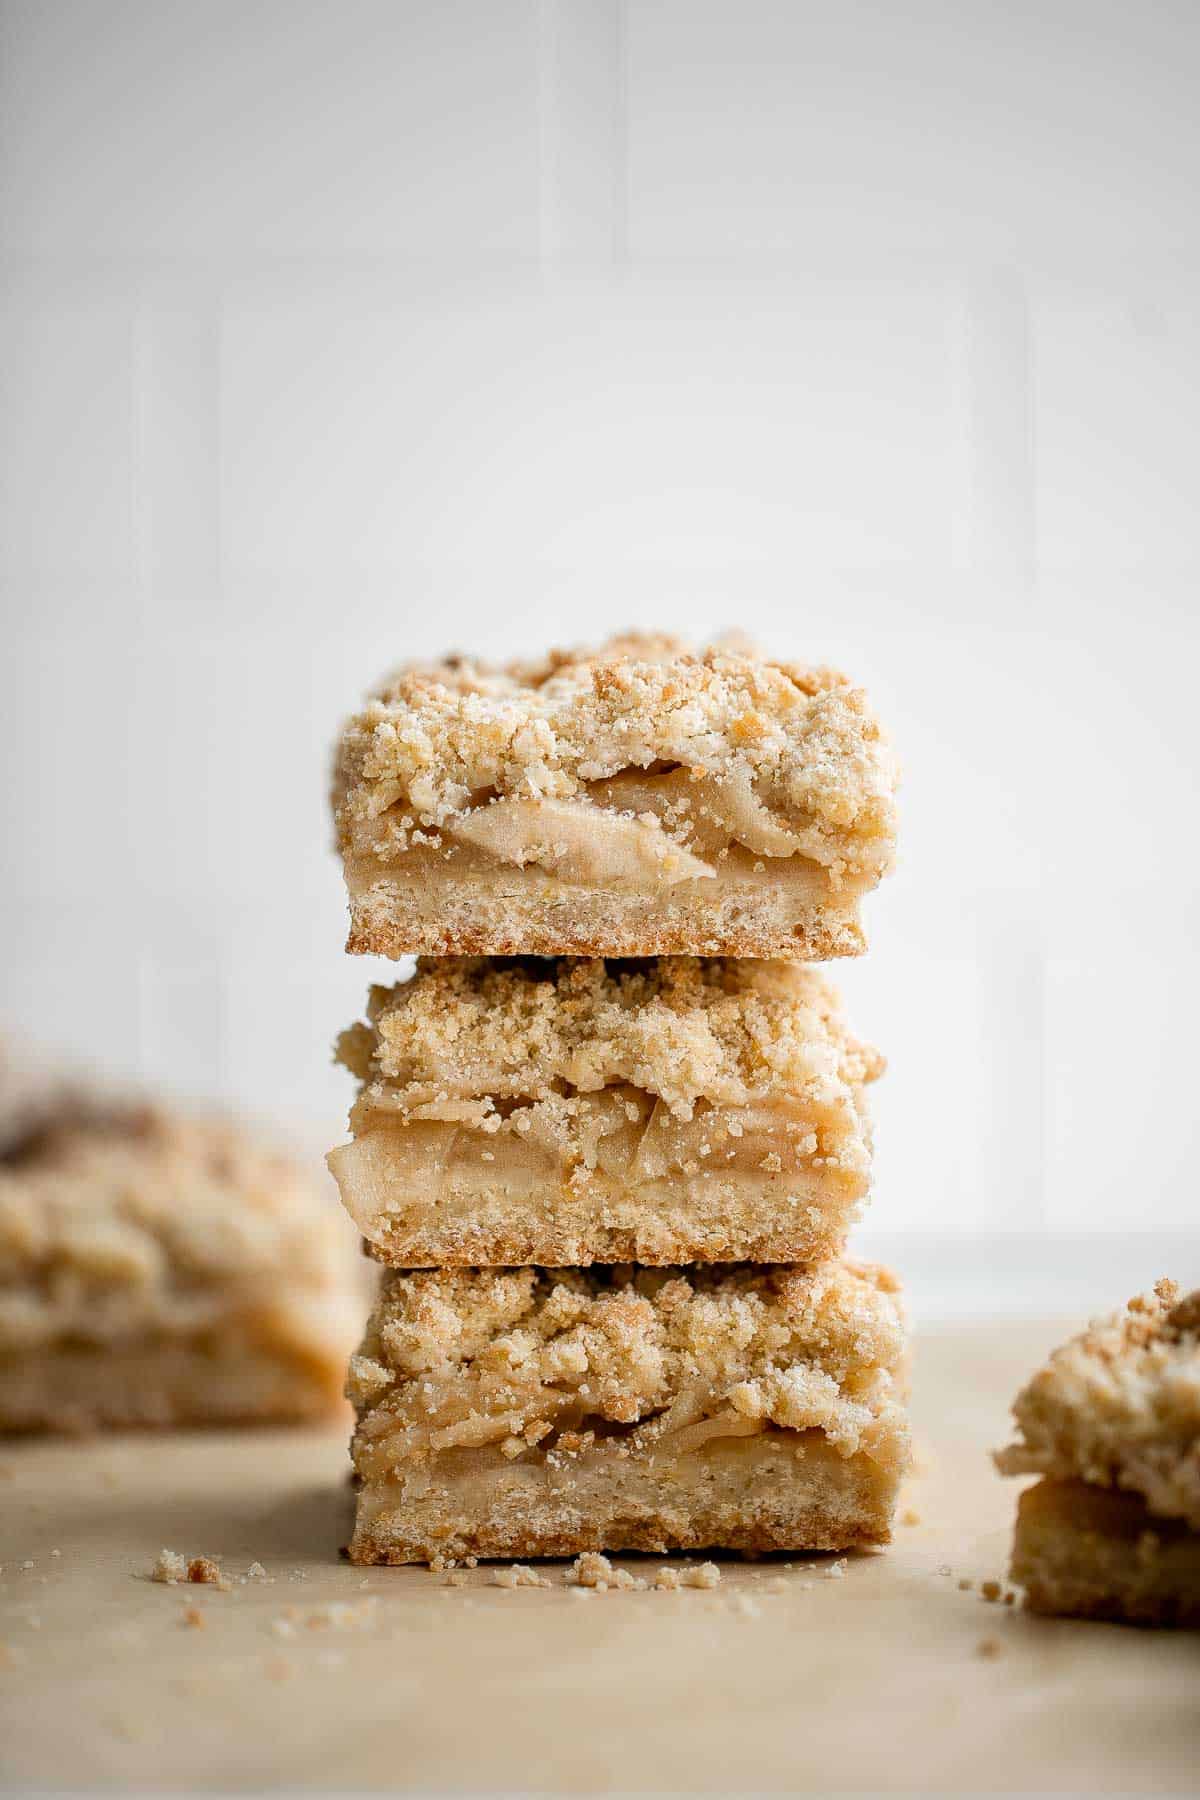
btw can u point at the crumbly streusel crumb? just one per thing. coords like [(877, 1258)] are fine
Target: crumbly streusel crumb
[(1119, 1406), (438, 736), (470, 1357), (725, 1030), (590, 1570), (206, 1572), (700, 1575), (518, 1575), (170, 1567)]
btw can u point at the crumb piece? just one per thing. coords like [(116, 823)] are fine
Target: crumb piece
[(991, 1591), (56, 1553), (590, 1570), (667, 1580), (626, 1583), (945, 1569), (28, 1563), (170, 1567), (193, 1616), (518, 1575), (965, 1584), (704, 1575), (256, 1572), (1010, 1597), (910, 1516), (206, 1572), (836, 1570), (454, 1578), (988, 1648)]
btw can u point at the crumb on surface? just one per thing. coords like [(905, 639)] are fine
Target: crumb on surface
[(910, 1516), (170, 1567), (193, 1616), (836, 1570), (702, 1575), (205, 1571), (454, 1578), (991, 1591), (965, 1584), (518, 1575), (590, 1570), (989, 1648)]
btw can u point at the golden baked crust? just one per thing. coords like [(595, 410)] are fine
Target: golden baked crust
[(1119, 1406), (552, 1111), (717, 801), (1090, 1552), (539, 1412), (143, 1255)]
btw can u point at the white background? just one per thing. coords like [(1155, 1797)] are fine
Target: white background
[(333, 335)]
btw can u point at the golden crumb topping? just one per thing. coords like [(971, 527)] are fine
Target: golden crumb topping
[(543, 1361), (1119, 1406), (723, 1030), (135, 1220), (791, 746)]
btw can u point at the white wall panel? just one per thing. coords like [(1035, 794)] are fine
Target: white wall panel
[(950, 128), (168, 129)]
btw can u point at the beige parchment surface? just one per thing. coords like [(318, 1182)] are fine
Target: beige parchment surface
[(780, 1679)]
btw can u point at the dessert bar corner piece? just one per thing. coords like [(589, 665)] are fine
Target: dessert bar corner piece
[(1111, 1424), (530, 1412), (638, 800), (568, 1111), (159, 1270)]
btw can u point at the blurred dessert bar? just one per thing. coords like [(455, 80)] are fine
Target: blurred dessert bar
[(538, 1412), (157, 1270), (637, 800), (566, 1111), (1112, 1427)]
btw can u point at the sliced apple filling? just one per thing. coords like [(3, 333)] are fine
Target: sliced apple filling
[(639, 831)]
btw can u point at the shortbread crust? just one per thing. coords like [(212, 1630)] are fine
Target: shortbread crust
[(1095, 1553), (570, 1112), (156, 1269), (639, 800), (533, 1412)]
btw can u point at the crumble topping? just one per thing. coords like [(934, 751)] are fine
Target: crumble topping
[(798, 747), (542, 1362), (1119, 1406), (480, 1030), (137, 1222)]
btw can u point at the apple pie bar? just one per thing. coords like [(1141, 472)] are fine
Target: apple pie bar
[(638, 800), (569, 1111), (545, 1412), (156, 1270), (1112, 1426)]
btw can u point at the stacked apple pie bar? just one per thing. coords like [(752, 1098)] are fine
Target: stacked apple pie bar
[(611, 1132)]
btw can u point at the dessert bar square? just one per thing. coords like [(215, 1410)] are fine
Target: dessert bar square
[(638, 800), (533, 1412), (156, 1270), (566, 1111), (1112, 1424)]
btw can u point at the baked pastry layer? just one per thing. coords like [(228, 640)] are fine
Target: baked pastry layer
[(637, 800), (1119, 1406), (156, 1269), (531, 1412), (561, 1111), (1097, 1554)]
